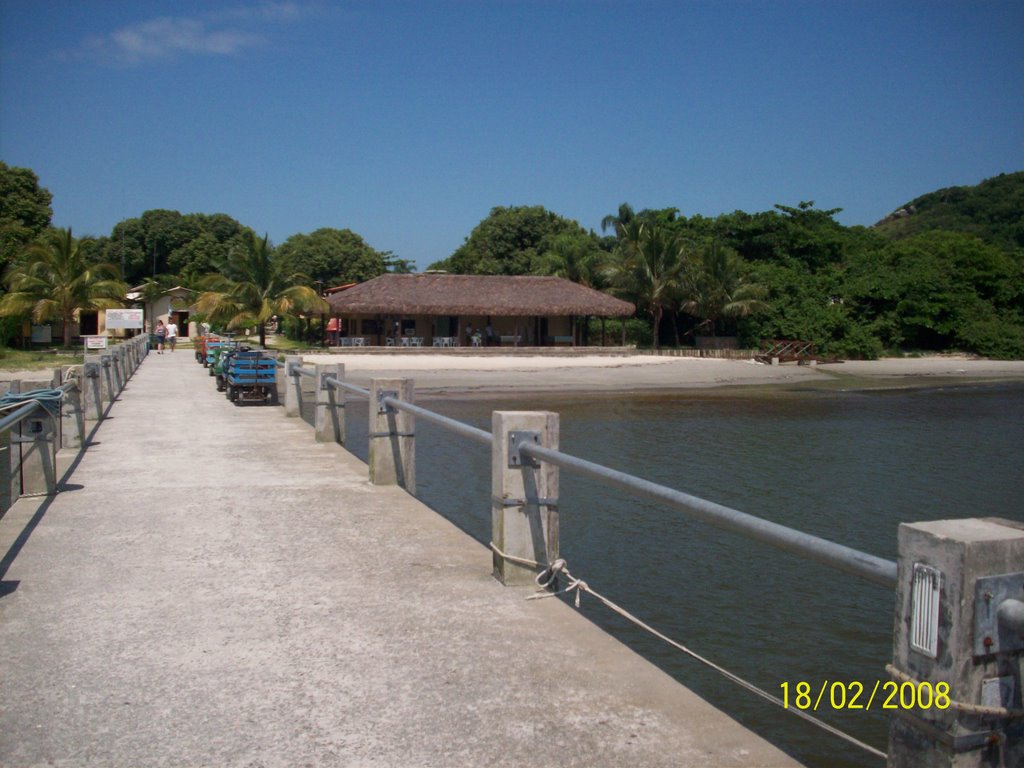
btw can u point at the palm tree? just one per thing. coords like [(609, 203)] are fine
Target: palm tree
[(253, 288), (55, 281), (720, 288), (617, 220), (649, 265), (572, 256)]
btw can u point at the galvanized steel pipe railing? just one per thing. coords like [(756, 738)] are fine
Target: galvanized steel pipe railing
[(875, 569), (452, 425), (853, 561), (331, 381), (18, 414)]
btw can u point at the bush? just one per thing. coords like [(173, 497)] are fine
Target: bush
[(638, 331), (992, 337)]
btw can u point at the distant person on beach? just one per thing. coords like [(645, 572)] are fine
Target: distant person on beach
[(489, 335), (172, 334), (469, 335), (161, 336)]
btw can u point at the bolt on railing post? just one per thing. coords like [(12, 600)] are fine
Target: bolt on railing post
[(524, 495), (292, 386), (392, 443), (329, 421), (952, 578)]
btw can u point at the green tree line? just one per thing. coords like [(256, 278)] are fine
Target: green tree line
[(943, 272), (953, 280)]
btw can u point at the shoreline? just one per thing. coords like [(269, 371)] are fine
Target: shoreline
[(443, 376), (438, 376)]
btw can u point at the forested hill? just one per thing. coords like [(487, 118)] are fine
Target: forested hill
[(992, 210)]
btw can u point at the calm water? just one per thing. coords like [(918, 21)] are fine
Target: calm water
[(847, 466)]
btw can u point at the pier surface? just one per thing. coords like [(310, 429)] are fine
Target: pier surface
[(214, 588)]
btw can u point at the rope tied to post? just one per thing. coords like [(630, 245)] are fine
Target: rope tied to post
[(548, 577), (549, 573), (49, 399)]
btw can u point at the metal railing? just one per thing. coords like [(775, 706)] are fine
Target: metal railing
[(525, 547), (32, 467), (855, 562)]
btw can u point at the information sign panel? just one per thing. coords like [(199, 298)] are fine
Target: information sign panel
[(124, 318)]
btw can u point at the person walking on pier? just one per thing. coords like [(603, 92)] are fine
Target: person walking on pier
[(172, 334), (161, 335)]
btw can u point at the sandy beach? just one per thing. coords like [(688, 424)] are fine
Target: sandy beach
[(443, 375), (439, 375)]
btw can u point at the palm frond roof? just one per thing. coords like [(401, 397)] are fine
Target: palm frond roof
[(496, 295)]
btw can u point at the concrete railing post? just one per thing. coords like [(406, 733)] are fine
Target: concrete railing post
[(392, 440), (329, 421), (72, 414), (116, 372), (292, 386), (122, 360), (92, 392), (109, 391), (8, 491), (524, 495), (957, 639), (33, 449)]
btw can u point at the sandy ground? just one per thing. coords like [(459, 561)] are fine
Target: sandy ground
[(643, 373), (440, 374)]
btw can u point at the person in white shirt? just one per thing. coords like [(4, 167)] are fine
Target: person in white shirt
[(172, 334)]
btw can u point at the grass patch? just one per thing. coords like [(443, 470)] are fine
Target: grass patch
[(38, 359)]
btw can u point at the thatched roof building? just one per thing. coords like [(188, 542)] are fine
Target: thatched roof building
[(476, 295)]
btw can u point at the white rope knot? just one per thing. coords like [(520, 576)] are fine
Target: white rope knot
[(547, 577)]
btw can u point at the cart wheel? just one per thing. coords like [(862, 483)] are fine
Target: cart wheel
[(220, 383), (272, 394), (232, 393)]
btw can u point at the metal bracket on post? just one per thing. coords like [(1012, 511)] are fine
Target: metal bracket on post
[(324, 376), (516, 458), (383, 395), (990, 593), (33, 430)]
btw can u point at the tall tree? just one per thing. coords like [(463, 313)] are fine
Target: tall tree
[(332, 256), (253, 287), (25, 210), (574, 256), (648, 267), (614, 221), (718, 287), (509, 241), (55, 281), (163, 241)]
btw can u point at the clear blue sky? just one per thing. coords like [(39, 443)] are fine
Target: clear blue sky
[(408, 121)]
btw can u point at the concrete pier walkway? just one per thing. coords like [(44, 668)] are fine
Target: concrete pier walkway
[(214, 588)]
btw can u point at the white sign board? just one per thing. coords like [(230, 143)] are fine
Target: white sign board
[(42, 334), (95, 342), (124, 318)]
